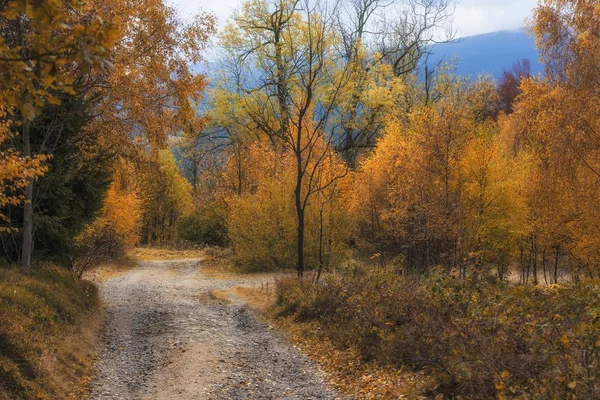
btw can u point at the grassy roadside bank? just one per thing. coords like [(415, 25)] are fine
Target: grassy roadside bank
[(49, 325)]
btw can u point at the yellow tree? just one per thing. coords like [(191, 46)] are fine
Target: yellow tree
[(437, 190), (147, 93), (376, 33), (165, 196), (117, 228), (262, 222), (494, 207), (287, 81)]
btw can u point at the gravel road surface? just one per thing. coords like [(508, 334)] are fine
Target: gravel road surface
[(167, 338)]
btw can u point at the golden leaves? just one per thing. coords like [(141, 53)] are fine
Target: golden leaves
[(11, 12), (32, 72), (121, 214), (149, 79), (34, 68), (16, 171)]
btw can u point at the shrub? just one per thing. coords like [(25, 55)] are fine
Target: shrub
[(478, 339), (262, 223), (262, 229), (112, 234), (204, 226)]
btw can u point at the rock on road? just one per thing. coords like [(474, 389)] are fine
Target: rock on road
[(166, 338)]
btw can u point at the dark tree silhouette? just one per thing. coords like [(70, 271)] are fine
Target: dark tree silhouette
[(509, 85)]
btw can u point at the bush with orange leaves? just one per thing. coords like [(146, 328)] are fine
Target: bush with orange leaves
[(113, 233)]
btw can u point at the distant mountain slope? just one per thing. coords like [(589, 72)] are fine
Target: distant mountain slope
[(489, 53)]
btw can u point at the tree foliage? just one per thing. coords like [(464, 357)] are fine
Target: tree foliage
[(15, 172), (437, 188), (84, 86), (40, 45), (70, 194), (148, 90), (39, 40), (165, 196), (556, 123)]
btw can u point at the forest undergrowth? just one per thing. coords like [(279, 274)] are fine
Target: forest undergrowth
[(483, 339)]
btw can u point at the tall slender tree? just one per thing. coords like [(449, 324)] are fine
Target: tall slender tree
[(293, 85)]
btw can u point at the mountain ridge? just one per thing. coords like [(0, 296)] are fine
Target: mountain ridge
[(488, 53)]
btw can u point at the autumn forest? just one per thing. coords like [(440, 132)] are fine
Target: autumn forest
[(437, 233)]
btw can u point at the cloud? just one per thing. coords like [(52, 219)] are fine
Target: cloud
[(472, 16), (221, 8)]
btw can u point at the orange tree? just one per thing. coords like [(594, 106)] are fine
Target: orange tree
[(557, 122)]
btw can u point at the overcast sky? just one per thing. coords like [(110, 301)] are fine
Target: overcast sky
[(471, 18)]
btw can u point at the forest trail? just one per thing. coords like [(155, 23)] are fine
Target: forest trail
[(167, 338)]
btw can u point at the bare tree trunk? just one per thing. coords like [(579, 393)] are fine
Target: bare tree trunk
[(522, 265), (535, 262), (529, 263), (281, 81), (300, 265), (194, 175), (28, 207), (299, 214), (240, 172), (501, 271), (556, 265), (321, 261), (544, 264)]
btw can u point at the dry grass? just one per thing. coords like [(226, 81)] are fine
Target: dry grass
[(217, 264), (223, 296), (48, 335), (82, 344), (151, 253), (258, 299), (106, 272), (67, 364), (344, 368), (219, 267), (347, 372)]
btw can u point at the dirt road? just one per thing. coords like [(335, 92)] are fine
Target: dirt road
[(167, 338)]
